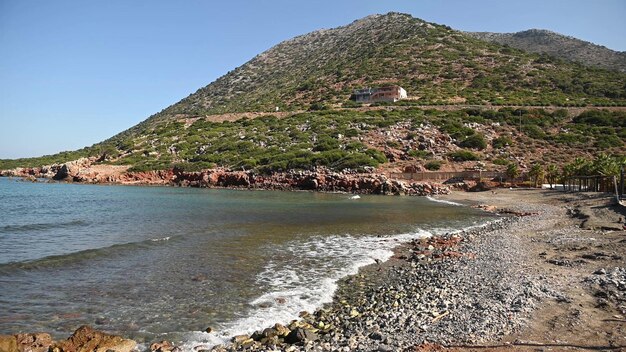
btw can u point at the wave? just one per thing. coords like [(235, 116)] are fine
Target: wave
[(444, 201), (77, 257), (160, 239), (41, 226), (306, 283)]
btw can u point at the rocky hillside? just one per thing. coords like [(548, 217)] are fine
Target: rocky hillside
[(560, 46), (434, 63), (233, 123)]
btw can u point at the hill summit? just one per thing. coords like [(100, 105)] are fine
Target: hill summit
[(289, 108), (434, 63)]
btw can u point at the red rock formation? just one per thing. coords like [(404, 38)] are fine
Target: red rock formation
[(321, 179)]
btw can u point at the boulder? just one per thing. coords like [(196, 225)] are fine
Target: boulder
[(8, 343), (480, 187), (86, 339), (281, 330), (38, 342), (300, 335), (62, 173), (163, 346)]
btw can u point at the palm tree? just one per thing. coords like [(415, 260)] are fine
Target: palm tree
[(552, 172), (605, 165), (536, 173), (581, 167), (512, 171)]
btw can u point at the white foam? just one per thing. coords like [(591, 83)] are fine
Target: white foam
[(304, 280), (160, 239), (355, 197), (303, 275), (443, 201)]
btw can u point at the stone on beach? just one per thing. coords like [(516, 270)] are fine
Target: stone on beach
[(86, 339), (36, 342)]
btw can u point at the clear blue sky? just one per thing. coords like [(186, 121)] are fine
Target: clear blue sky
[(73, 73)]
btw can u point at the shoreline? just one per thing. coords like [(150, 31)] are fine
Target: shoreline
[(407, 288), (317, 180), (499, 290), (502, 285)]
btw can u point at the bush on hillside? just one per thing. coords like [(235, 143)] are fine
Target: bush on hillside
[(463, 155), (475, 141)]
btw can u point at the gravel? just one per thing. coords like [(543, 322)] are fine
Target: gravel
[(462, 288)]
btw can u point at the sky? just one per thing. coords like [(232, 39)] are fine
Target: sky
[(74, 73)]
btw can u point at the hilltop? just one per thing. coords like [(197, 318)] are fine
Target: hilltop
[(435, 63), (289, 108), (542, 41)]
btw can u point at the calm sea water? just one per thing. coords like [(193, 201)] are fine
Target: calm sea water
[(166, 263)]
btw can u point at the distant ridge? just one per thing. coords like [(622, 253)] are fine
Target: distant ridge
[(542, 41)]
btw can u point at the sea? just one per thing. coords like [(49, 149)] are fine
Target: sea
[(166, 263)]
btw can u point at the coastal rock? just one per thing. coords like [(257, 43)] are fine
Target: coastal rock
[(71, 171), (281, 330), (38, 342), (86, 339), (8, 343), (240, 339), (301, 335), (480, 187), (62, 174), (318, 179), (162, 346)]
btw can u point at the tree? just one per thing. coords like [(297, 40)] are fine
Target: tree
[(512, 171), (581, 167), (536, 174), (552, 173), (605, 165)]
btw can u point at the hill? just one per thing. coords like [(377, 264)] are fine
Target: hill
[(311, 77), (560, 46), (434, 63)]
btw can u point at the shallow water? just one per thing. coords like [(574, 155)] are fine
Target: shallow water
[(166, 263)]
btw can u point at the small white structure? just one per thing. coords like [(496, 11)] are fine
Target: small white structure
[(372, 95)]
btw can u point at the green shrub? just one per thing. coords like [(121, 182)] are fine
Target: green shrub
[(500, 161), (433, 165), (393, 144), (608, 141), (534, 132), (351, 104), (318, 106), (377, 155), (463, 155), (193, 167), (501, 142), (419, 154), (475, 141), (326, 143)]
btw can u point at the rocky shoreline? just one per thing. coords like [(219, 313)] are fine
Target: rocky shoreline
[(319, 179), (460, 288)]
